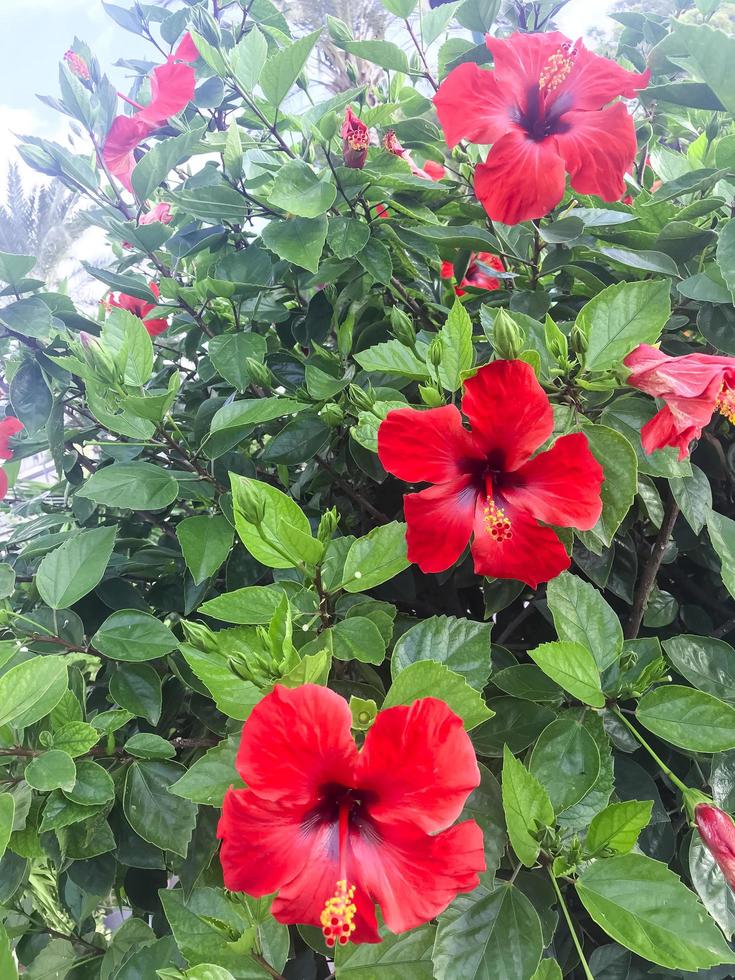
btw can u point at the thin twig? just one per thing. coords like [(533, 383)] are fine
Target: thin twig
[(427, 71), (354, 495), (650, 570)]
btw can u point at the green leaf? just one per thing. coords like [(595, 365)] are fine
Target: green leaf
[(688, 718), (161, 159), (706, 54), (478, 15), (456, 344), (7, 815), (347, 236), (126, 340), (460, 644), (528, 682), (70, 571), (426, 678), (516, 724), (7, 581), (711, 886), (616, 828), (646, 908), (693, 495), (527, 808), (245, 607), (298, 240), (233, 696), (131, 486), (133, 635), (383, 53), (283, 539), (205, 544), (707, 663), (566, 761), (401, 8), (299, 441), (722, 535), (548, 970), (298, 190), (155, 814), (356, 638), (283, 67), (248, 58), (403, 957), (137, 688), (146, 745), (233, 422), (628, 415), (726, 254), (14, 268), (93, 785), (393, 357), (31, 689), (492, 932), (618, 460), (582, 616), (375, 259), (621, 317), (209, 778), (228, 353), (51, 770), (75, 737), (375, 558), (573, 667)]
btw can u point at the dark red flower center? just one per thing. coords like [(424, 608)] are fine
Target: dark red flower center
[(542, 115)]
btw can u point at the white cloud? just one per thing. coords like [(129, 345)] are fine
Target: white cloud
[(579, 17)]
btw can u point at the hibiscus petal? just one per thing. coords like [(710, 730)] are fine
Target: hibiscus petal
[(262, 842), (664, 430), (594, 81), (126, 132), (430, 446), (533, 554), (439, 523), (660, 375), (521, 178), (509, 411), (296, 741), (598, 149), (172, 88), (560, 486), (414, 876), (187, 50), (3, 484), (9, 426), (519, 59), (420, 762), (472, 106)]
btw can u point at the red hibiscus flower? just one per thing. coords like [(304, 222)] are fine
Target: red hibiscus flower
[(9, 426), (335, 830), (187, 50), (486, 485), (475, 274), (140, 308), (693, 387), (355, 140), (161, 212), (718, 833), (433, 172), (542, 108)]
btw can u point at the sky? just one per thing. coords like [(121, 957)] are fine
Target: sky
[(36, 33)]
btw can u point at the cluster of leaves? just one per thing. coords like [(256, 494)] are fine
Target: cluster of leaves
[(220, 520)]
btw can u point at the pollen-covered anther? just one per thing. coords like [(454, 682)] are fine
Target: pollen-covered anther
[(497, 525), (557, 68), (338, 915), (726, 403), (77, 65)]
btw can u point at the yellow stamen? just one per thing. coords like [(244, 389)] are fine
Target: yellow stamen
[(725, 404), (557, 68), (497, 525), (338, 915)]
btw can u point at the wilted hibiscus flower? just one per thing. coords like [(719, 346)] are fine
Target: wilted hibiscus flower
[(717, 830), (355, 140), (693, 387), (9, 426), (430, 170), (486, 485), (542, 108), (140, 308), (475, 275), (335, 830)]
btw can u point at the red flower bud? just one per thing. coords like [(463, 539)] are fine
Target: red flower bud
[(717, 830), (355, 140), (77, 65)]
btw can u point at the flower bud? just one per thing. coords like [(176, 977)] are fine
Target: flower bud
[(327, 525), (578, 340), (717, 830), (508, 339), (87, 340), (402, 327), (77, 65), (250, 504), (332, 414), (361, 399), (258, 372), (355, 140), (713, 129), (435, 352), (430, 396)]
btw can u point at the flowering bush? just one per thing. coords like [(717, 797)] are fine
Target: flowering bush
[(374, 618)]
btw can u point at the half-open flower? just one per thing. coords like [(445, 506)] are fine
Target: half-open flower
[(717, 830), (487, 484), (140, 308), (336, 830), (430, 170), (693, 388), (355, 140), (476, 273), (9, 426), (543, 109)]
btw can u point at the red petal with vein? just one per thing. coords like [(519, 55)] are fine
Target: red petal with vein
[(430, 446), (560, 486), (533, 554), (519, 59), (172, 88), (598, 149), (520, 179), (420, 763), (439, 523), (287, 751), (595, 81), (187, 50), (509, 412), (472, 106), (124, 136)]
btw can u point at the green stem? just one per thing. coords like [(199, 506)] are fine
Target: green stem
[(570, 924), (657, 759)]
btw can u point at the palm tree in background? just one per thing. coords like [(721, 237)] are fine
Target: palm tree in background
[(39, 222)]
